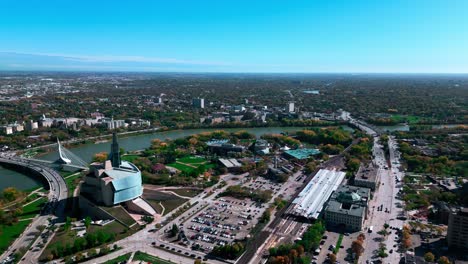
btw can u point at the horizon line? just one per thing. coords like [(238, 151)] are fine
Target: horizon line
[(232, 72)]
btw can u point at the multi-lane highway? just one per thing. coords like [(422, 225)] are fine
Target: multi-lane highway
[(383, 207), (57, 196)]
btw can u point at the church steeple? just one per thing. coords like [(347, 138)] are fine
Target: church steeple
[(114, 155)]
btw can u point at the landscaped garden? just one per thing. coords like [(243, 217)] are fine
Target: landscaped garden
[(191, 164)]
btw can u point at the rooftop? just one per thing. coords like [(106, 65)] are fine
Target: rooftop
[(303, 153), (367, 172), (349, 200), (309, 203), (217, 142)]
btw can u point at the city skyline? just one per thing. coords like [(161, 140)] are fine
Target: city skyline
[(303, 37)]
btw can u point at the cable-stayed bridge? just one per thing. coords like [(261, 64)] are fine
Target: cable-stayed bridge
[(66, 158)]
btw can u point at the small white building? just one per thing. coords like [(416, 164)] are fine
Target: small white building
[(7, 129), (198, 103), (290, 107)]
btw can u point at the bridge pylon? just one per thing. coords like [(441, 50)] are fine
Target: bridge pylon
[(63, 159)]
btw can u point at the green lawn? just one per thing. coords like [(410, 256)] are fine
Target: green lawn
[(338, 244), (181, 167), (119, 213), (119, 259), (192, 160), (168, 200), (34, 208), (149, 258), (72, 183), (170, 205), (130, 158), (115, 228), (10, 233), (63, 237), (187, 164), (406, 118), (66, 173), (156, 206), (186, 192)]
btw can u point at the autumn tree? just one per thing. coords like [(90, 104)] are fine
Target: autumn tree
[(406, 237), (10, 194), (293, 254), (443, 260), (100, 157), (332, 258), (361, 237), (429, 257), (357, 247)]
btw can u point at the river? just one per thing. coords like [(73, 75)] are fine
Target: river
[(139, 142), (10, 178), (86, 152)]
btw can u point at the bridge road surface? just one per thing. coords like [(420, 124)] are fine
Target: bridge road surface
[(58, 193)]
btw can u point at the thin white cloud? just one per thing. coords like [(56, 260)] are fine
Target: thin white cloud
[(111, 59), (144, 59)]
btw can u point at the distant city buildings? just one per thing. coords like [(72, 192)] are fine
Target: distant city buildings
[(7, 129), (97, 119), (111, 123), (45, 122), (137, 122), (31, 125), (290, 107), (198, 103), (97, 115), (11, 128), (457, 234)]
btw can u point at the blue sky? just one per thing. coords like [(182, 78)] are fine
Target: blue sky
[(407, 36)]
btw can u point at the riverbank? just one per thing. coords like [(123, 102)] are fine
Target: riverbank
[(143, 141), (105, 138)]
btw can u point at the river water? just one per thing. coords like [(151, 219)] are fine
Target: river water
[(137, 142), (9, 178)]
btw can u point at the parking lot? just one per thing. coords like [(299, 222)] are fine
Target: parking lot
[(224, 221), (286, 189)]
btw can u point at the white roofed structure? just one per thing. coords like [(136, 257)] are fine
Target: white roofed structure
[(311, 200)]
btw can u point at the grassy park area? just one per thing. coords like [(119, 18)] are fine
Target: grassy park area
[(130, 157), (72, 183), (168, 201), (191, 163), (10, 233), (33, 209), (406, 118), (119, 213), (149, 258), (119, 259), (186, 192)]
